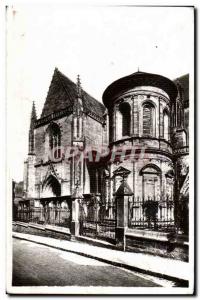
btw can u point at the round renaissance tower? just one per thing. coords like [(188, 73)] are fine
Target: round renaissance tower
[(140, 117)]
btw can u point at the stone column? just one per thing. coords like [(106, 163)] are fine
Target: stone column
[(132, 116), (140, 115), (107, 191), (114, 124)]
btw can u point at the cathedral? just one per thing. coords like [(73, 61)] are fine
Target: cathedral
[(84, 155)]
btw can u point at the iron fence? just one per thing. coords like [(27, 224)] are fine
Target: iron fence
[(151, 213), (95, 221), (57, 216)]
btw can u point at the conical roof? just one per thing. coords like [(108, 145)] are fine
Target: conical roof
[(62, 94)]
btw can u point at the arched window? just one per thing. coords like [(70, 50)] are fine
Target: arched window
[(166, 125), (125, 111), (118, 125), (169, 192), (55, 140), (151, 182), (148, 119)]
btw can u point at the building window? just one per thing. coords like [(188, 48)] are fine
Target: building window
[(169, 192), (151, 182), (148, 118), (166, 125), (125, 111), (55, 140), (118, 122)]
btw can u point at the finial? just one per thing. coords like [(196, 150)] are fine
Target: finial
[(138, 69), (33, 113), (78, 84)]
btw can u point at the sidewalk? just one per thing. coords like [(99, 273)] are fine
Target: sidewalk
[(153, 265)]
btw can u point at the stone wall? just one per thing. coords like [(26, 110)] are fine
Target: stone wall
[(93, 132), (158, 244), (41, 231)]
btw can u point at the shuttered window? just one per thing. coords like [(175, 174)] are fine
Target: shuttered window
[(147, 119)]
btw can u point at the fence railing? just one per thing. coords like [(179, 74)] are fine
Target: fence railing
[(99, 220), (45, 215), (96, 220), (152, 214)]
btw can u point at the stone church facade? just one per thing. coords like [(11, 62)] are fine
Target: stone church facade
[(84, 154)]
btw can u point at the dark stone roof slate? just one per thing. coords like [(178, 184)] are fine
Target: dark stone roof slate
[(62, 93), (137, 79)]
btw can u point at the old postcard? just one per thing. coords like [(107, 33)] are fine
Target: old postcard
[(100, 149)]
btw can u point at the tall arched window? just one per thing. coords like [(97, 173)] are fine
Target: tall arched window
[(118, 125), (151, 181), (55, 140), (148, 119), (125, 111), (166, 125)]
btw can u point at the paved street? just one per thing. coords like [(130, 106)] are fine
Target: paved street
[(37, 265)]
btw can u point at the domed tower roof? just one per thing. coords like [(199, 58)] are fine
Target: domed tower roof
[(139, 79)]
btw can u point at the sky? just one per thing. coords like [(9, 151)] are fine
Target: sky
[(101, 44)]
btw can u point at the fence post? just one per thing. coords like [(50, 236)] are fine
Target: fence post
[(123, 194), (76, 198)]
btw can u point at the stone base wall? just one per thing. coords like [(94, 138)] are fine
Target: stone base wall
[(161, 246), (148, 243), (41, 231)]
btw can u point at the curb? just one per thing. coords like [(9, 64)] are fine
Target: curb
[(180, 282)]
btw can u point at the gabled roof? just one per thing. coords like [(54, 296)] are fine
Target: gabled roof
[(62, 93), (121, 171)]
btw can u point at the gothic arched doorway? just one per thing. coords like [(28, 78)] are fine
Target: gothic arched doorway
[(51, 187)]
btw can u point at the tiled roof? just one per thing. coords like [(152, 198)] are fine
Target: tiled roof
[(183, 88), (62, 93)]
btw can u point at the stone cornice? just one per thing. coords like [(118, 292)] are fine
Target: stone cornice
[(63, 113), (53, 116)]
